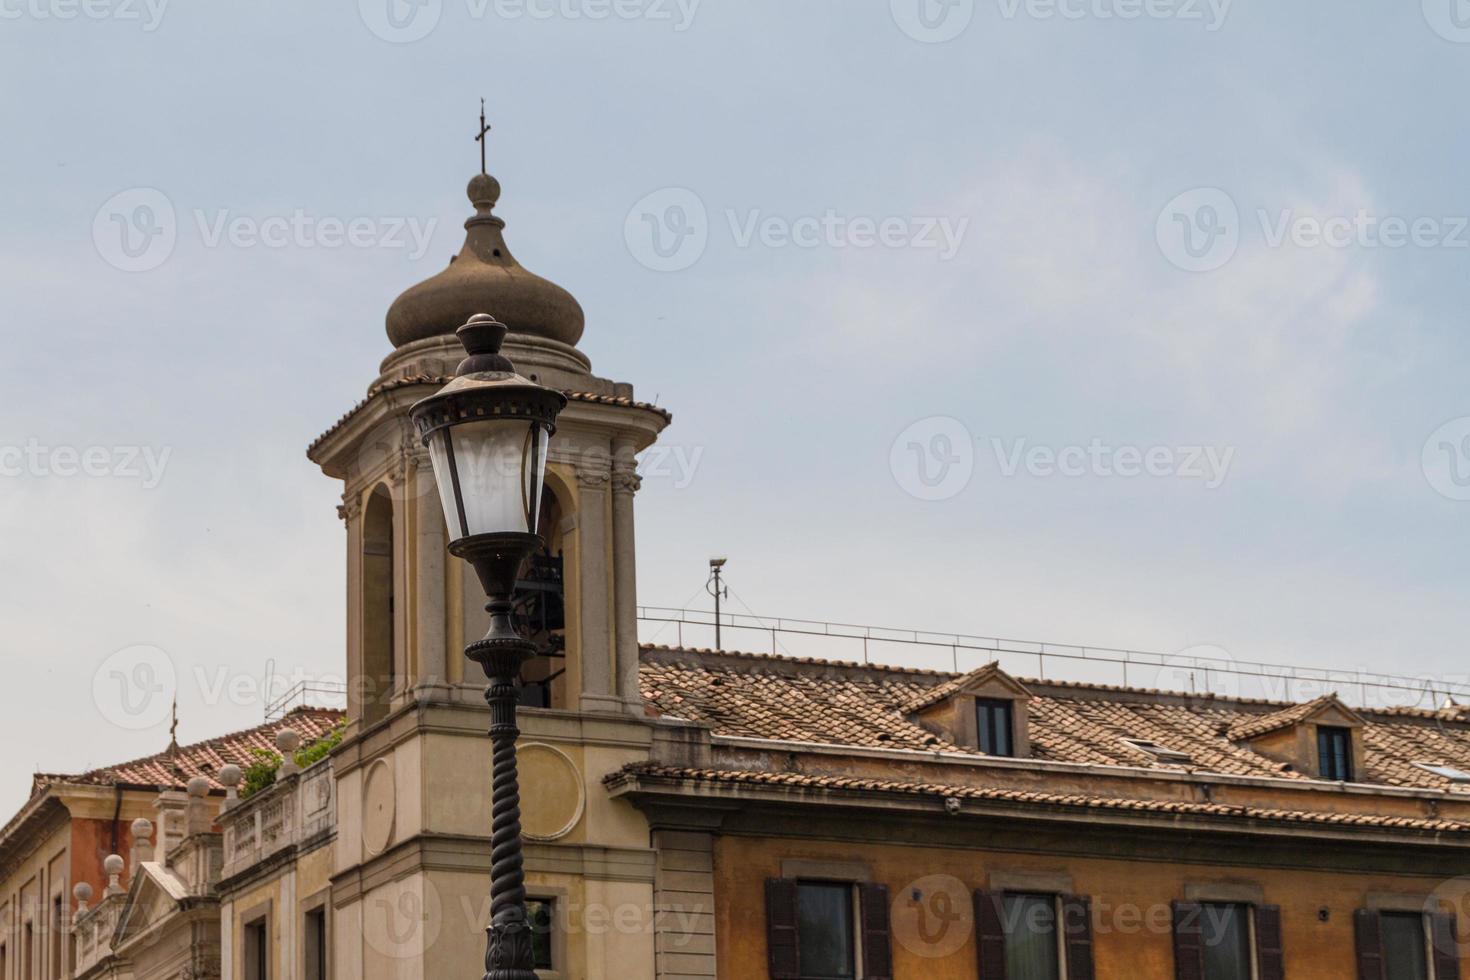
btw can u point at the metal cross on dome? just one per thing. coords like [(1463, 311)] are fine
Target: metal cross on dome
[(484, 128)]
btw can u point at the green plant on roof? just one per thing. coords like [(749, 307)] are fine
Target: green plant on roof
[(261, 773)]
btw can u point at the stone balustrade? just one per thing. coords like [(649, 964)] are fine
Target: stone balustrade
[(295, 809), (92, 931)]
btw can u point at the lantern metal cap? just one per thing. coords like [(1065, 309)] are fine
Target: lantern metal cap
[(486, 386)]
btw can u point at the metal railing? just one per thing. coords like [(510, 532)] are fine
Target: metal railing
[(1197, 670), (314, 694)]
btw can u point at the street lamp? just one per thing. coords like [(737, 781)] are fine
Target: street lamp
[(487, 433)]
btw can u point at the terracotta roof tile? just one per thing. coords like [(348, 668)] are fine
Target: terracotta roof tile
[(824, 702), (438, 381), (202, 758), (1035, 798)]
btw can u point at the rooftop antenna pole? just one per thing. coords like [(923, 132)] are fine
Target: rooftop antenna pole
[(484, 128), (715, 588)]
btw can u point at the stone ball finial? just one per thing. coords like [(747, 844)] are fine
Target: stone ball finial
[(484, 192), (142, 829), (197, 787), (82, 892), (113, 864), (230, 776), (288, 741)]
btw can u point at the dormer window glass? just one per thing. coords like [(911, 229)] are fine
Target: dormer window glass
[(1161, 752), (1335, 753), (995, 726), (1451, 773)]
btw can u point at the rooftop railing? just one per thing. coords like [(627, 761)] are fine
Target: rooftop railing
[(1196, 670)]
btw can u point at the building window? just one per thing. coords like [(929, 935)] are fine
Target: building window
[(58, 929), (824, 921), (1335, 753), (257, 949), (1033, 948), (314, 951), (1226, 934), (994, 723), (378, 601), (1405, 946), (4, 958), (542, 915), (28, 953)]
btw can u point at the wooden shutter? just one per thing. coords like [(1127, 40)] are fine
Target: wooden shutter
[(1189, 943), (1446, 946), (781, 934), (877, 941), (1077, 937), (1270, 961), (990, 935), (1370, 944)]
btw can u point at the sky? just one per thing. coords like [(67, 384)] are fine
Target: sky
[(1128, 323)]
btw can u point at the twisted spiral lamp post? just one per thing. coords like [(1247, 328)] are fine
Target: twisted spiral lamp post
[(487, 433)]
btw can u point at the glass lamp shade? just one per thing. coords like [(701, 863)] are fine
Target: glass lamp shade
[(490, 473)]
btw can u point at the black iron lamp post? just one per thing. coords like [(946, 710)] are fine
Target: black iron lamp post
[(487, 433)]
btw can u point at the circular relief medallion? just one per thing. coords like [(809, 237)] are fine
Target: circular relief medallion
[(552, 796), (379, 807)]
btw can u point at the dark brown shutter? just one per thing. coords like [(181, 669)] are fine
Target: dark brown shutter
[(1270, 961), (781, 936), (1077, 935), (990, 935), (1370, 944), (1446, 946), (1189, 943), (877, 942)]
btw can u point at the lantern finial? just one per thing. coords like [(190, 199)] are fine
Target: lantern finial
[(482, 337)]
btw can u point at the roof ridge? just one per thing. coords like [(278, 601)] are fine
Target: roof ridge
[(208, 743), (945, 676)]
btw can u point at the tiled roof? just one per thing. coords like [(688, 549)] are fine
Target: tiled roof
[(1034, 798), (202, 758), (789, 699), (934, 695), (439, 381), (1262, 724)]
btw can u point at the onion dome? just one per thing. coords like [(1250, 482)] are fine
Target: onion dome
[(485, 278)]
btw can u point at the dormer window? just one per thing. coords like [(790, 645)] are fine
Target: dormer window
[(1161, 752), (1335, 753), (995, 726), (984, 711), (1445, 772)]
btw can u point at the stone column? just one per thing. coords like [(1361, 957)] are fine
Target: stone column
[(429, 552), (625, 483), (403, 668), (351, 514), (595, 602)]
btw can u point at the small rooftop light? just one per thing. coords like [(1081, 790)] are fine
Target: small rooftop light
[(1161, 752), (1445, 772)]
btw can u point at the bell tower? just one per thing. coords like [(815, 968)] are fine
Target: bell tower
[(411, 610)]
